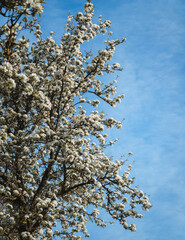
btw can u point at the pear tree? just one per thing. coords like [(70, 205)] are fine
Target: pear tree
[(55, 174)]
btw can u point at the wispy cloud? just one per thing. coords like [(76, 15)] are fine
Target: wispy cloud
[(153, 82)]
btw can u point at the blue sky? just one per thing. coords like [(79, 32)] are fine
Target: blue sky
[(153, 59)]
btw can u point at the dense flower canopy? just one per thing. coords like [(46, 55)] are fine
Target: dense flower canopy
[(52, 138)]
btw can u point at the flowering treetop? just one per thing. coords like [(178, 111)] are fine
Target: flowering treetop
[(52, 138)]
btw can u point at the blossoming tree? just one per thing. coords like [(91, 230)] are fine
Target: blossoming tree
[(53, 166)]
